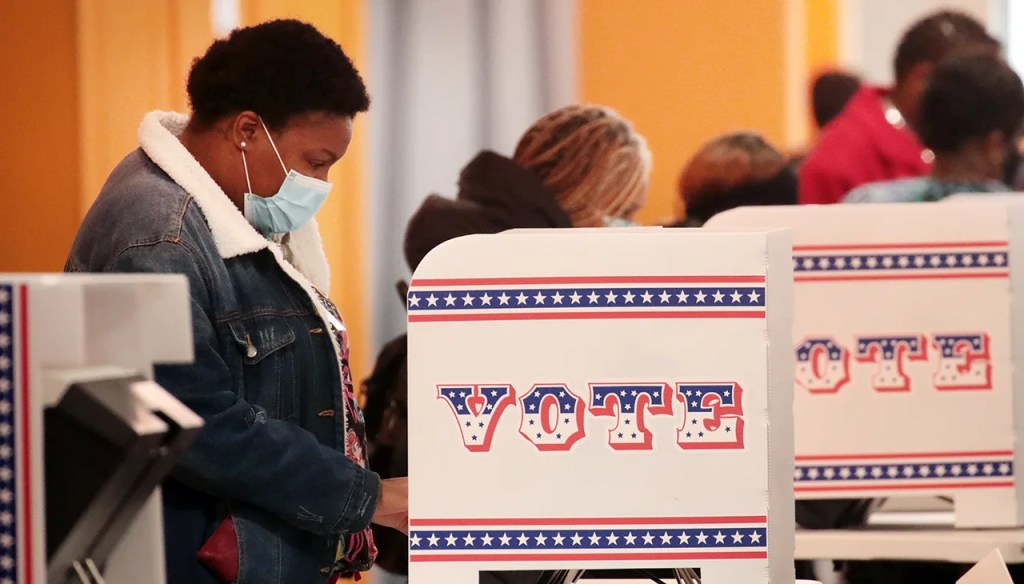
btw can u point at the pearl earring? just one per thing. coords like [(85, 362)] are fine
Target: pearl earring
[(243, 143)]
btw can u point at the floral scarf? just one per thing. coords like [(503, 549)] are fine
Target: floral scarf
[(356, 551)]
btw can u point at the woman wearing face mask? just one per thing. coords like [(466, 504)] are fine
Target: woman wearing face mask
[(227, 197)]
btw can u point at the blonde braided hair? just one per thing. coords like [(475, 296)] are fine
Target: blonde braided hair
[(591, 159)]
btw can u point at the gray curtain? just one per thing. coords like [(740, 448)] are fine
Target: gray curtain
[(449, 78)]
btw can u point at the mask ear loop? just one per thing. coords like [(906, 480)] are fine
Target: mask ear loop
[(245, 165), (274, 146)]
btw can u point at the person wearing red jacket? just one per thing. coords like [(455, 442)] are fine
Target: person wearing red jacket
[(873, 139)]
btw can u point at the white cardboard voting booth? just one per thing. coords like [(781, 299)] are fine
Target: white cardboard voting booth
[(67, 343), (908, 321), (990, 570), (602, 399)]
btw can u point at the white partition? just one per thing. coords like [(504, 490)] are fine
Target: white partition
[(602, 399), (58, 330), (907, 334)]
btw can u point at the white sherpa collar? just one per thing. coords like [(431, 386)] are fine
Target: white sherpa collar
[(232, 234)]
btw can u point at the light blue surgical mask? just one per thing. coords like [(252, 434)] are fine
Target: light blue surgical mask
[(618, 222), (295, 203)]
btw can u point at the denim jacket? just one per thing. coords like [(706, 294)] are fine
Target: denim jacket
[(266, 377)]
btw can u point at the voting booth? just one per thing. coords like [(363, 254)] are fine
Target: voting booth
[(909, 320), (85, 435), (599, 399)]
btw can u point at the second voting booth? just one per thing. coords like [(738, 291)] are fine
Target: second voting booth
[(906, 334), (905, 337), (595, 399)]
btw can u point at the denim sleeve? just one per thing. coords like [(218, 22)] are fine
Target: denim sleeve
[(241, 454)]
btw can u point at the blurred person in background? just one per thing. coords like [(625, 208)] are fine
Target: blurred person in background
[(734, 170), (579, 166), (275, 489), (874, 139), (830, 93), (971, 116)]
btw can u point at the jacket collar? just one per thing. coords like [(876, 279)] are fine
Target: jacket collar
[(232, 234)]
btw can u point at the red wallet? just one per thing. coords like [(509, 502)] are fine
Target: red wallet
[(220, 552)]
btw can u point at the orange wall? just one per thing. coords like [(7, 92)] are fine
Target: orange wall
[(821, 21), (39, 149), (684, 71), (822, 24), (74, 83), (133, 58)]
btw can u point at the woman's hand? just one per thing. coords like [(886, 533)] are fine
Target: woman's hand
[(393, 505)]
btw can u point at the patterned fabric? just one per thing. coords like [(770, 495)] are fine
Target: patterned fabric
[(356, 551), (917, 190)]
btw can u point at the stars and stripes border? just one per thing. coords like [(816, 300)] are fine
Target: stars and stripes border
[(870, 472), (903, 261), (586, 539), (469, 299), (15, 526)]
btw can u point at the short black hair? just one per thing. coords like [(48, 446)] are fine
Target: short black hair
[(830, 93), (277, 69), (935, 37), (968, 97)]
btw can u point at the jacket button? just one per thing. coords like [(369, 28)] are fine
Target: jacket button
[(250, 349)]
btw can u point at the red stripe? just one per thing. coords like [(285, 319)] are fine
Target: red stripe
[(584, 315), (901, 277), (935, 245), (888, 456), (538, 280), (520, 521), (592, 557), (905, 487), (26, 460)]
